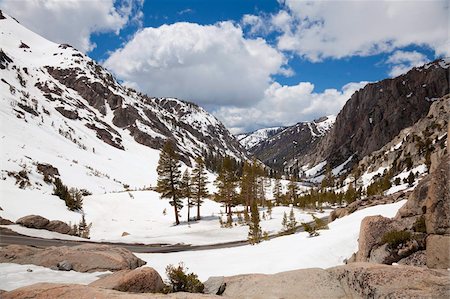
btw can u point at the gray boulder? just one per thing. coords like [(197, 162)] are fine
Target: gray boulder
[(64, 266), (215, 285), (59, 227)]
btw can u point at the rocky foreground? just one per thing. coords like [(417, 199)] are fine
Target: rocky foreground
[(356, 280)]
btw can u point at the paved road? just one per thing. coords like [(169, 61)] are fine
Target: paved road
[(8, 237)]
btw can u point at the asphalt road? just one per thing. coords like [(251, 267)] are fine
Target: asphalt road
[(8, 237)]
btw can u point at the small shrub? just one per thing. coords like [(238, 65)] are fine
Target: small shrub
[(395, 238), (179, 281)]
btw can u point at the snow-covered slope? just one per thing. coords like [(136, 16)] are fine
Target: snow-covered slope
[(249, 140), (58, 107)]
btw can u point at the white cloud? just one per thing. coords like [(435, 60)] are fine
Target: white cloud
[(403, 61), (213, 65), (337, 29), (287, 105), (72, 21)]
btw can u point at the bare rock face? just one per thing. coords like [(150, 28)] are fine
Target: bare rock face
[(417, 259), (84, 258), (437, 217), (306, 283), (416, 201), (33, 221), (141, 280), (371, 232), (438, 251), (366, 280), (70, 291)]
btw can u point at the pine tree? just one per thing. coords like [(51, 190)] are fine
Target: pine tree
[(199, 181), (277, 191), (284, 223), (411, 179), (186, 190), (169, 178), (293, 190), (292, 222), (328, 180), (254, 230), (226, 183), (269, 208)]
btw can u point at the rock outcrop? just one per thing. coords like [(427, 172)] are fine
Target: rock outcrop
[(70, 291), (83, 258), (140, 280), (39, 222), (33, 221)]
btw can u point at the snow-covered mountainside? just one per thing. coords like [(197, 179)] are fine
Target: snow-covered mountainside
[(249, 140), (61, 109), (291, 141)]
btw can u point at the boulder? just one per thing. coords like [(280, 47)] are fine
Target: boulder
[(215, 285), (371, 232), (416, 201), (367, 280), (417, 259), (84, 258), (141, 280), (381, 255), (70, 291), (305, 283), (437, 217), (59, 227), (33, 221), (438, 251), (4, 221), (64, 266)]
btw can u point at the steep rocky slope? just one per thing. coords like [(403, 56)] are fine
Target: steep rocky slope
[(374, 115), (61, 108), (291, 142)]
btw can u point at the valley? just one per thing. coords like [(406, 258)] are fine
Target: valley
[(110, 192)]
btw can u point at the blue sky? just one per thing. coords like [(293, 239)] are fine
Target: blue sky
[(251, 63)]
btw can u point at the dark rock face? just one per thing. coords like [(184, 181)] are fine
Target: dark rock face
[(377, 113), (280, 151), (70, 114), (47, 170)]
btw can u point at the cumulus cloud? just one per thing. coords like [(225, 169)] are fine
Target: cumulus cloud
[(337, 29), (284, 105), (403, 61), (73, 21), (213, 65)]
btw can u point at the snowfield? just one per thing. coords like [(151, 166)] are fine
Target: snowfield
[(286, 253), (13, 276), (142, 214)]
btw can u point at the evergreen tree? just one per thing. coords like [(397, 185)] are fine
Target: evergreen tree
[(269, 208), (285, 223), (186, 190), (247, 185), (277, 191), (226, 183), (411, 179), (254, 230), (169, 177), (292, 222), (293, 190), (328, 180), (199, 181)]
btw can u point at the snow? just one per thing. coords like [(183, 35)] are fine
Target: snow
[(326, 125), (420, 169), (339, 168), (285, 253), (13, 276), (316, 169), (249, 140), (367, 177), (141, 215)]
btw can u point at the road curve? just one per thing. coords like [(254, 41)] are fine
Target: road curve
[(8, 237)]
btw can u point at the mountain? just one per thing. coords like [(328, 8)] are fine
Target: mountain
[(61, 108), (292, 141), (249, 140), (375, 114)]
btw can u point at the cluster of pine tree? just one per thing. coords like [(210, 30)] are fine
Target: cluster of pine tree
[(175, 187), (72, 197)]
